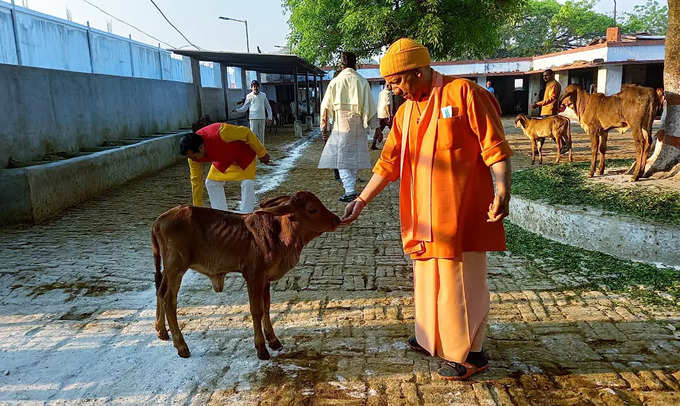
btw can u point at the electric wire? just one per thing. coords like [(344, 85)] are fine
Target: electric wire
[(128, 24), (173, 25)]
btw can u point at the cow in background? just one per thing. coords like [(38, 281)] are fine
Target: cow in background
[(633, 107), (538, 129)]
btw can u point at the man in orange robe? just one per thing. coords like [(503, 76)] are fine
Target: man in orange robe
[(443, 141)]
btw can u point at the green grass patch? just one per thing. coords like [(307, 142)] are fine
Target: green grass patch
[(647, 282), (567, 184)]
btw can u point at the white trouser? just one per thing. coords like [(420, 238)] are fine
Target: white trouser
[(218, 199), (349, 179), (257, 127), (247, 196)]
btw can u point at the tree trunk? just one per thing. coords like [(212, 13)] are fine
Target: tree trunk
[(666, 155)]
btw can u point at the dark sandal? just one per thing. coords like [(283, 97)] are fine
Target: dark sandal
[(413, 344), (460, 371)]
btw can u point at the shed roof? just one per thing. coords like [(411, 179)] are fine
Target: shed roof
[(265, 63)]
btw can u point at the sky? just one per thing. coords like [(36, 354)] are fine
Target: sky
[(197, 19)]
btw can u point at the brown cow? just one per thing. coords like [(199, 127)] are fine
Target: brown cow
[(538, 129), (262, 246), (633, 107)]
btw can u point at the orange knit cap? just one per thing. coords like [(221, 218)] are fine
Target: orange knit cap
[(403, 55)]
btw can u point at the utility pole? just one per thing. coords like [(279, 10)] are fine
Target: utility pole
[(240, 21), (614, 12)]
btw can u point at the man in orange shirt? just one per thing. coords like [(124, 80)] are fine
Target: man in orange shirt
[(550, 105), (443, 141)]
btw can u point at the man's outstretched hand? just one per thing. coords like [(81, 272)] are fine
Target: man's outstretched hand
[(352, 211), (267, 161)]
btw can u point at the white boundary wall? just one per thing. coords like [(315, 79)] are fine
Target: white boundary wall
[(53, 43)]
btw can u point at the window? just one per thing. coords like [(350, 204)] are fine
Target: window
[(234, 78), (519, 83), (250, 76)]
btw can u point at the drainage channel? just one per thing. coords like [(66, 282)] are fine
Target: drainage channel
[(279, 172)]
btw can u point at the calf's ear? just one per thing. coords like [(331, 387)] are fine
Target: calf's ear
[(280, 210)]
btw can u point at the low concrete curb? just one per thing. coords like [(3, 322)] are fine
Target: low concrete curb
[(36, 193), (598, 230)]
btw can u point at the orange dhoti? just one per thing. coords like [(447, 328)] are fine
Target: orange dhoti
[(452, 303)]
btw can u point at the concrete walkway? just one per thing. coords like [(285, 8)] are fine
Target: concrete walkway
[(77, 307)]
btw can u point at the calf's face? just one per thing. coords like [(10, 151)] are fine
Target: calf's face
[(519, 121), (304, 208), (310, 211), (568, 98)]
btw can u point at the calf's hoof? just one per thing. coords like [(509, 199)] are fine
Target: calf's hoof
[(183, 351), (163, 335), (263, 354), (275, 345)]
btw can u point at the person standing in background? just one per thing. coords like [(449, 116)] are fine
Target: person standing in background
[(348, 102), (550, 104), (259, 110), (489, 87), (384, 114)]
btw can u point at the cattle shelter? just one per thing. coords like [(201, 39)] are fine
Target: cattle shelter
[(602, 66)]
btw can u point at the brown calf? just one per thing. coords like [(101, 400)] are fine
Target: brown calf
[(633, 107), (262, 246), (538, 129)]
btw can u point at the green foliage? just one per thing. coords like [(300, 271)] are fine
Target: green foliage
[(450, 29), (566, 184), (602, 271), (651, 18), (545, 26)]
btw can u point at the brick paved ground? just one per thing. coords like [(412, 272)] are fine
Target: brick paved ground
[(77, 307)]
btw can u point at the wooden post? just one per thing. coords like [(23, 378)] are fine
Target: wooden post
[(307, 91), (318, 92), (295, 96)]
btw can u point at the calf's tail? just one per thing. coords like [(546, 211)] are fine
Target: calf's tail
[(567, 133), (156, 259)]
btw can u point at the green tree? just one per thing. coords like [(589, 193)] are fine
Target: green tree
[(650, 17), (450, 29), (544, 26)]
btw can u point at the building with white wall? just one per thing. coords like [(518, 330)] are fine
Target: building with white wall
[(601, 67)]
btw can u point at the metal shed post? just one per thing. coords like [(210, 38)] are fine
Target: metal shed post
[(225, 88)]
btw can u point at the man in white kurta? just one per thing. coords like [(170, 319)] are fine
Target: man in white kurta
[(384, 114), (349, 104), (259, 110)]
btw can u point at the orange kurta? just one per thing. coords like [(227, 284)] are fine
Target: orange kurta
[(550, 104), (457, 162)]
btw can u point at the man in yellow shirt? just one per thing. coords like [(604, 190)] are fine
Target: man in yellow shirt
[(232, 150), (550, 105)]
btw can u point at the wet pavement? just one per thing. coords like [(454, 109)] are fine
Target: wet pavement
[(77, 306)]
